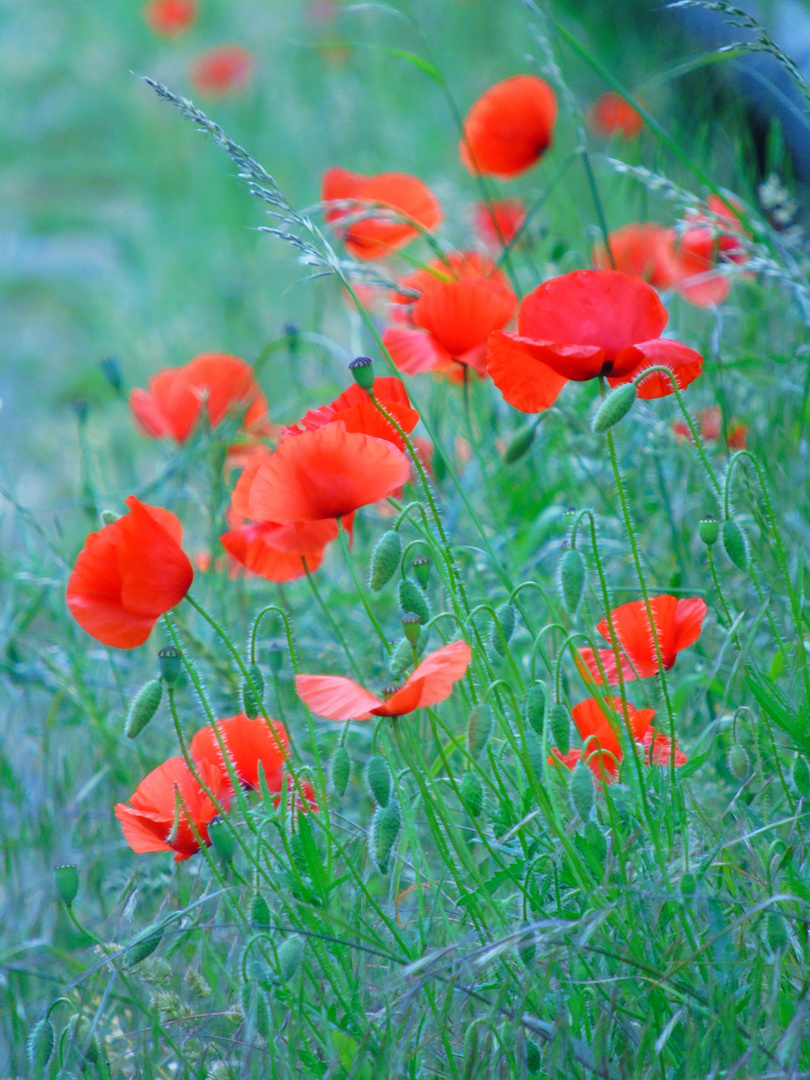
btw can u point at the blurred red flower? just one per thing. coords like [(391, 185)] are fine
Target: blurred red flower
[(677, 623), (170, 17), (579, 326), (223, 70), (498, 223), (610, 115), (710, 421), (215, 383), (375, 236), (509, 127), (355, 410), (169, 805), (337, 698), (128, 575)]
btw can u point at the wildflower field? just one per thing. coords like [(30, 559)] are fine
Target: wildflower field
[(403, 496)]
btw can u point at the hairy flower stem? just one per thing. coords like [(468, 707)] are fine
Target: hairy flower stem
[(344, 545), (327, 614), (722, 599)]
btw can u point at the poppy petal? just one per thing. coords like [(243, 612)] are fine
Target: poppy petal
[(518, 369), (685, 364), (414, 351), (256, 548), (461, 314), (335, 698), (247, 742), (509, 127), (431, 682)]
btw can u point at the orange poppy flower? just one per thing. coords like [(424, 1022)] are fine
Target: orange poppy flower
[(461, 302), (677, 623), (498, 223), (336, 698), (326, 473), (166, 803), (128, 575), (216, 383), (509, 127), (376, 237), (170, 17), (223, 70), (354, 409), (248, 742), (585, 324), (610, 115)]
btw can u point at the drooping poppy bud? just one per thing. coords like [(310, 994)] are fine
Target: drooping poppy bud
[(571, 579), (143, 708), (385, 830), (171, 665), (505, 618), (412, 599), (39, 1044), (534, 707), (378, 779), (290, 955), (402, 657), (520, 443), (384, 559), (709, 529), (79, 1031), (472, 793), (260, 912), (614, 408), (735, 543), (67, 882), (362, 368), (253, 692), (222, 839), (559, 722), (581, 790), (341, 770), (534, 752), (479, 729), (533, 1057), (800, 774), (737, 761)]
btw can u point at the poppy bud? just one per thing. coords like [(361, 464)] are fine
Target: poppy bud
[(385, 830), (378, 779), (260, 912), (534, 752), (79, 1028), (559, 722), (709, 529), (479, 729), (389, 691), (253, 692), (171, 665), (290, 955), (402, 656), (571, 579), (472, 793), (801, 777), (384, 560), (112, 373), (411, 598), (341, 770), (67, 882), (737, 761), (595, 839), (616, 405), (534, 706), (363, 370), (735, 544), (143, 708), (108, 517), (421, 570), (275, 657), (776, 931), (39, 1044), (580, 788), (412, 627), (143, 945), (520, 443), (505, 617), (533, 1059), (222, 839)]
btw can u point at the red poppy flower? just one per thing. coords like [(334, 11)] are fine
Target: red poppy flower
[(610, 115), (710, 427), (375, 237), (336, 698), (460, 302), (128, 575), (356, 411), (170, 17), (509, 127), (215, 382), (498, 223), (579, 326), (677, 623), (248, 742), (222, 70), (326, 473), (166, 803)]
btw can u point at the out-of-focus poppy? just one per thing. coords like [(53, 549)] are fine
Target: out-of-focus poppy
[(223, 70), (170, 17), (216, 383), (376, 236), (247, 742), (336, 698), (165, 806), (509, 127), (585, 324), (355, 410), (610, 115), (499, 222), (460, 303), (128, 574), (677, 624), (326, 473), (710, 421)]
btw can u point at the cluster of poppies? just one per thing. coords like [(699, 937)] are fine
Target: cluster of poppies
[(224, 69)]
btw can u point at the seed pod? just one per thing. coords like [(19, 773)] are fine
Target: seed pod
[(534, 752), (479, 729), (385, 830), (341, 770), (411, 598), (533, 1059), (709, 529), (290, 955), (421, 570), (78, 1031), (534, 706), (505, 617), (363, 370), (39, 1044), (614, 407), (253, 695), (378, 779), (260, 912), (143, 708), (171, 665), (222, 839), (776, 931), (411, 627), (595, 839), (472, 793), (801, 777), (571, 579), (67, 882), (735, 543), (384, 560), (737, 761), (520, 443), (144, 945), (581, 790), (108, 517), (559, 722)]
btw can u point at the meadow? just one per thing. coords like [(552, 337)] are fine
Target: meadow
[(449, 715)]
